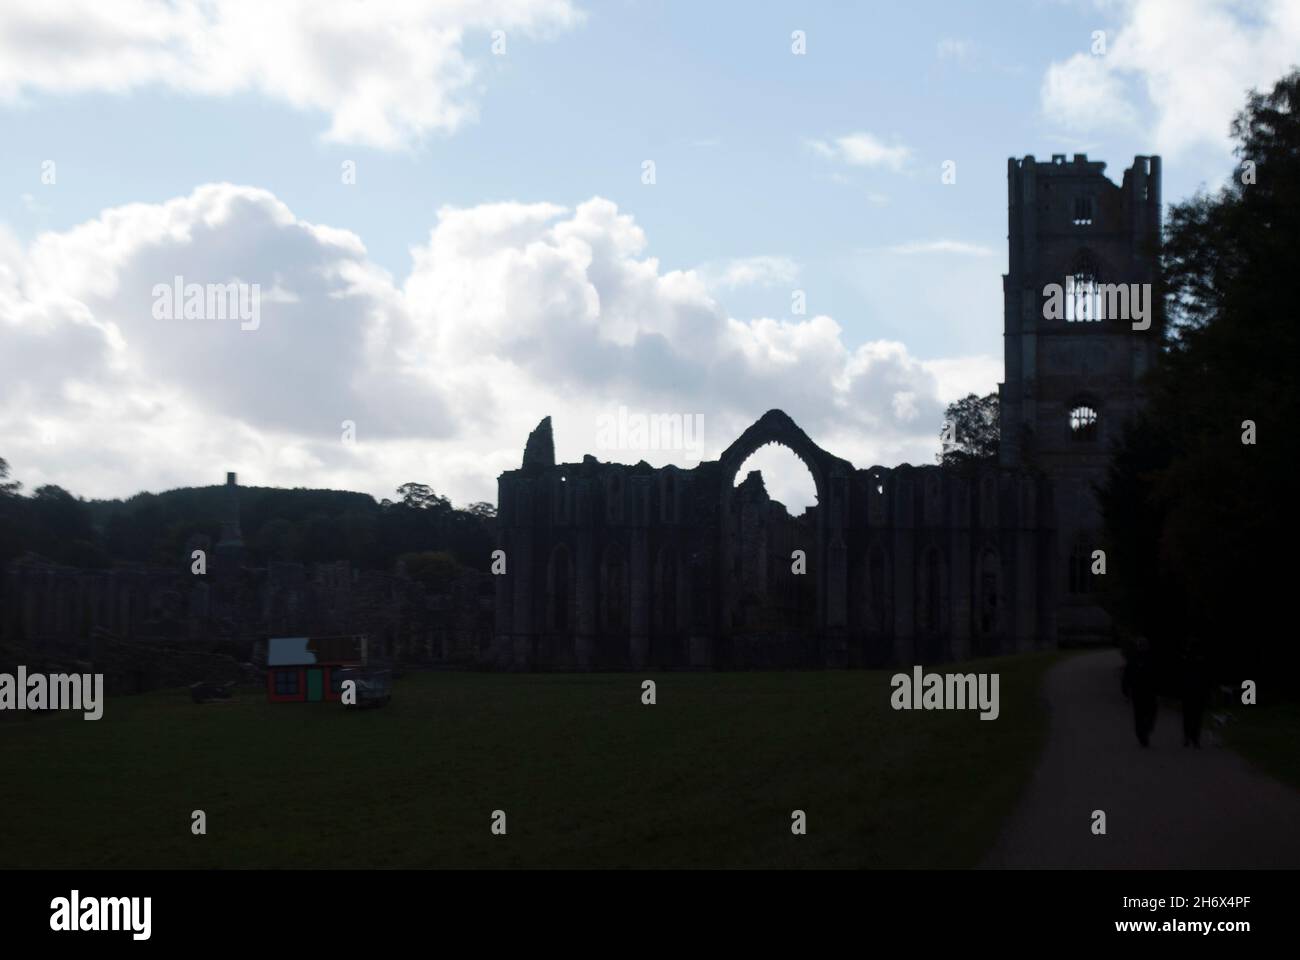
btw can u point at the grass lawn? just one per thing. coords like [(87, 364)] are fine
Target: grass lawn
[(587, 775), (1267, 735)]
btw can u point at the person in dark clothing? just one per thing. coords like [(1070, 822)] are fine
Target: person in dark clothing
[(1140, 680), (1196, 693)]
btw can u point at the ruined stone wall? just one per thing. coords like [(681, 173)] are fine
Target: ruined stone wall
[(614, 566)]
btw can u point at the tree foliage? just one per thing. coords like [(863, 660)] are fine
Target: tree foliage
[(304, 526), (970, 433), (1192, 512)]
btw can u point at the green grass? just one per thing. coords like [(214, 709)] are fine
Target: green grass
[(587, 775), (1267, 735)]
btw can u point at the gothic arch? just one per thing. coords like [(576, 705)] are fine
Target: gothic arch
[(775, 426), (1083, 296), (1084, 262), (831, 481)]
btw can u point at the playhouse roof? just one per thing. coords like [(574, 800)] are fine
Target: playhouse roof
[(303, 651)]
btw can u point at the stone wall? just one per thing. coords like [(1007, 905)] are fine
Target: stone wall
[(615, 566)]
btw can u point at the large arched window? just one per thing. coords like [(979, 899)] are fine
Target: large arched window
[(785, 477), (1082, 291), (1083, 422)]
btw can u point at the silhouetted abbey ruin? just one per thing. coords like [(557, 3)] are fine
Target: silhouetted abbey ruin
[(613, 565)]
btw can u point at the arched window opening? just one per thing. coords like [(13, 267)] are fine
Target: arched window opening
[(1082, 292), (785, 477), (1083, 423)]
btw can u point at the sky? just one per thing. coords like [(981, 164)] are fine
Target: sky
[(464, 216)]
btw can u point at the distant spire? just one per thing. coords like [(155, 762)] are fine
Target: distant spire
[(231, 535)]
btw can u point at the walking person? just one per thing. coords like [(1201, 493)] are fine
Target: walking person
[(1140, 680), (1195, 693)]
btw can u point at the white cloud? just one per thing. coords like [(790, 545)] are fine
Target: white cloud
[(960, 376), (1085, 93), (1193, 59), (386, 71), (511, 311), (761, 271), (862, 150)]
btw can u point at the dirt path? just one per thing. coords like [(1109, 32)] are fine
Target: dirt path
[(1166, 806)]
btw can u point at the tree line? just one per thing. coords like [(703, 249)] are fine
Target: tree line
[(293, 525)]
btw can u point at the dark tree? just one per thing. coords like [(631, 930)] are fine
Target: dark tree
[(420, 496), (435, 569), (1197, 516), (970, 432), (8, 488), (13, 518)]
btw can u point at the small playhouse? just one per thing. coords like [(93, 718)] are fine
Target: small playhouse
[(306, 669)]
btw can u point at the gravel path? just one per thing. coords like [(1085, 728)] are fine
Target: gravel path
[(1166, 806)]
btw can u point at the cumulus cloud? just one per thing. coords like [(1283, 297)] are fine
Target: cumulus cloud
[(386, 71), (510, 311), (1185, 64)]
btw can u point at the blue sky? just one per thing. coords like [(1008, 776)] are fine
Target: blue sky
[(774, 172)]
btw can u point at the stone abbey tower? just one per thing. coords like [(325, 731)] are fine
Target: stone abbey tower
[(1073, 377), (617, 566)]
